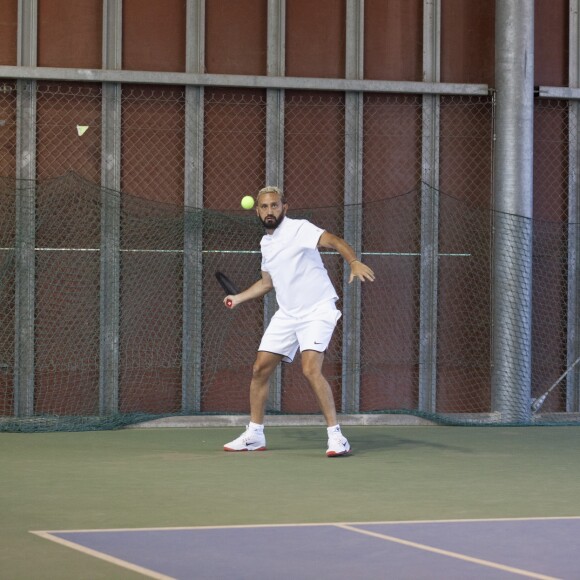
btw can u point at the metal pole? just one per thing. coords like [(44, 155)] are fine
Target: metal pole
[(513, 211), (25, 214), (275, 150), (573, 349), (193, 202), (110, 212), (353, 197), (429, 265)]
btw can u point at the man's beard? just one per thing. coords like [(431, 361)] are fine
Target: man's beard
[(271, 222)]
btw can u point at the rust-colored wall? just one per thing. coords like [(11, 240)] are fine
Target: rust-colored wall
[(236, 37), (8, 31), (550, 246), (234, 146), (393, 40), (154, 35), (8, 128), (69, 33), (59, 148), (315, 38), (313, 149), (467, 41), (151, 302), (551, 42), (153, 142), (67, 296)]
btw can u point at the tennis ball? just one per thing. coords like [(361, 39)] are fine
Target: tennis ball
[(248, 202)]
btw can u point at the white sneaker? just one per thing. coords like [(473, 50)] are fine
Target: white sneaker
[(337, 445), (247, 441)]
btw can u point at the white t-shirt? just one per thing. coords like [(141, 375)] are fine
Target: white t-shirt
[(291, 257)]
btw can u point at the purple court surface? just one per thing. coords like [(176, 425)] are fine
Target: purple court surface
[(459, 549)]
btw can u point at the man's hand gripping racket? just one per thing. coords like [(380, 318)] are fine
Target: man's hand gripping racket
[(228, 287)]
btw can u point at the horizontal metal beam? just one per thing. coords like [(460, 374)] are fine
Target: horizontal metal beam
[(565, 93), (261, 82)]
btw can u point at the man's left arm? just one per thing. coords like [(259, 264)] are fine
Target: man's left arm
[(357, 268)]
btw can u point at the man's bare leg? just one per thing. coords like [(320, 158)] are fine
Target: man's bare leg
[(263, 368), (312, 368)]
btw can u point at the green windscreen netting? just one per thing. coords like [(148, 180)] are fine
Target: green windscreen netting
[(110, 311)]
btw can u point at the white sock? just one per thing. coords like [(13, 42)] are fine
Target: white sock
[(333, 429), (256, 427)]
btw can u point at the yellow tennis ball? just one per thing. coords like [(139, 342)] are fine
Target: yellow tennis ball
[(248, 202)]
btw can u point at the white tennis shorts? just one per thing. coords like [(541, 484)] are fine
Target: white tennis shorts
[(312, 331)]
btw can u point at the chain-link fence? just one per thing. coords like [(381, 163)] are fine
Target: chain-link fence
[(160, 268)]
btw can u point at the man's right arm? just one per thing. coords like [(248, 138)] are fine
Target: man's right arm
[(256, 290)]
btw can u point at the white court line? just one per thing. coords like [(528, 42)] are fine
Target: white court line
[(447, 553), (298, 525), (103, 556)]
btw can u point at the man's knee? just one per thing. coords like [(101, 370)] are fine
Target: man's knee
[(311, 369), (264, 366)]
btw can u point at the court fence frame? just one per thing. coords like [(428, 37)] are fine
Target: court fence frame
[(26, 78)]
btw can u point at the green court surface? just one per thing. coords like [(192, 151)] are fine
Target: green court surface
[(181, 477)]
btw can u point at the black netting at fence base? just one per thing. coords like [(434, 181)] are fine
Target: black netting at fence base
[(111, 313)]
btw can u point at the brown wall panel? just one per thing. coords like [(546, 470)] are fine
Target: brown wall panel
[(464, 304), (154, 35), (393, 40), (466, 139), (150, 328), (392, 145), (549, 312), (234, 146), (69, 33), (315, 38), (467, 41), (551, 42), (236, 37), (8, 32), (551, 160), (60, 149), (67, 329), (391, 173), (389, 339), (314, 149), (153, 142), (7, 299), (550, 246), (68, 219), (463, 371), (7, 128)]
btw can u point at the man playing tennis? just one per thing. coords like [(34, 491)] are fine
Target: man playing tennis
[(307, 314)]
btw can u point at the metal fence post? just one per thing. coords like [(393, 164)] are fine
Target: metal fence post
[(25, 213), (275, 150), (429, 262), (110, 212), (193, 202), (513, 211), (573, 318), (353, 197)]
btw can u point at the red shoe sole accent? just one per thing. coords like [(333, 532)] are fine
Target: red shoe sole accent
[(341, 454), (240, 450)]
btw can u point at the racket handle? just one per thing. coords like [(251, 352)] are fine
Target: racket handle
[(229, 303)]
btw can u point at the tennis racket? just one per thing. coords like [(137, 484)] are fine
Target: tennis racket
[(539, 401), (227, 285)]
